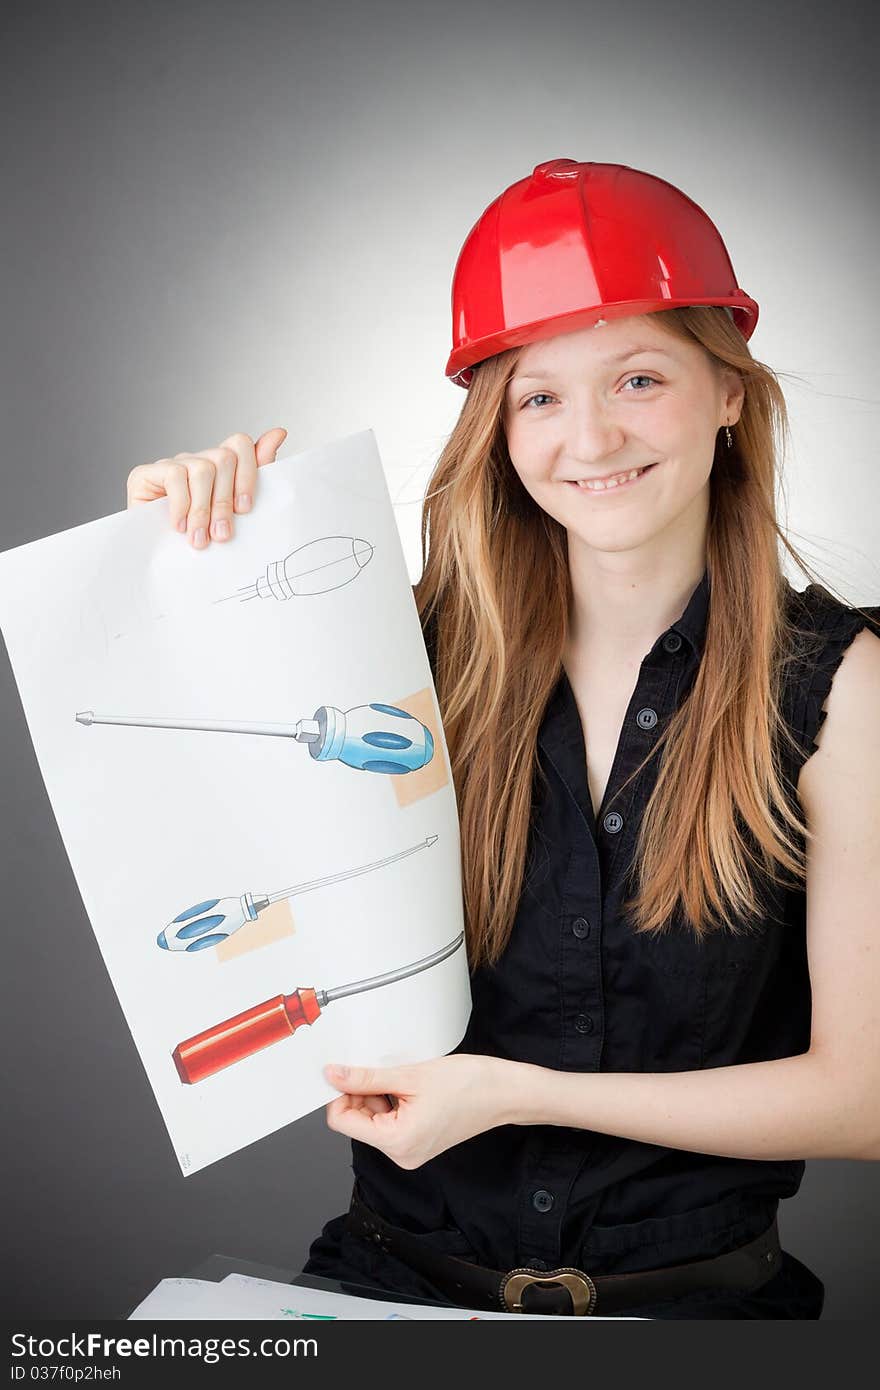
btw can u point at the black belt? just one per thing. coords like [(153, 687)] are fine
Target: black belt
[(567, 1290)]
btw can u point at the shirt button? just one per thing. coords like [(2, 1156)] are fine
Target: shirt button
[(671, 642), (613, 822), (584, 1023), (581, 928), (646, 718), (542, 1200)]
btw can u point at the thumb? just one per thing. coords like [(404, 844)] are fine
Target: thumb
[(366, 1081), (268, 444)]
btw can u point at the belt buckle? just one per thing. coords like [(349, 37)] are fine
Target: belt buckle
[(580, 1286)]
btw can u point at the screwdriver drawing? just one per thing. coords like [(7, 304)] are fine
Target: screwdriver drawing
[(213, 921), (315, 568), (276, 1019), (369, 738)]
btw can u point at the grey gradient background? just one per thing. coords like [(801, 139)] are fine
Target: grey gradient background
[(221, 217)]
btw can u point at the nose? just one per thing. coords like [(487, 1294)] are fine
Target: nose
[(592, 433)]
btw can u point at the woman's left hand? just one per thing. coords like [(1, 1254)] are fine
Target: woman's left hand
[(438, 1104)]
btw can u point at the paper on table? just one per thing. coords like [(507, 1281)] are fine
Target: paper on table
[(239, 1296), (231, 876)]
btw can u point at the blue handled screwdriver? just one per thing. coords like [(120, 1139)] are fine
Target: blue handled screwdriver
[(210, 922), (370, 738)]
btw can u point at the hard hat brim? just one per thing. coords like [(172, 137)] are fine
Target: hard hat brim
[(744, 311)]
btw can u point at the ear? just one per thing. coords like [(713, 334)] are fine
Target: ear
[(733, 395)]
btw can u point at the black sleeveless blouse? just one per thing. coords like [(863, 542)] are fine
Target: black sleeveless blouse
[(577, 990)]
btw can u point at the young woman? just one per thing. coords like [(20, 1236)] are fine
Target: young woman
[(667, 769)]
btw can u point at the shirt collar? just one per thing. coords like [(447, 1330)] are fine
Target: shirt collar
[(692, 623)]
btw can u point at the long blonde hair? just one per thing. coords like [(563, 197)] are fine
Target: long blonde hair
[(495, 594)]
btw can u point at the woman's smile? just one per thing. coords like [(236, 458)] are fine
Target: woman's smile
[(615, 482)]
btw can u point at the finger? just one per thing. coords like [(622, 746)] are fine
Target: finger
[(200, 471), (226, 461), (245, 470), (357, 1123), (367, 1080), (146, 482), (164, 478), (268, 444), (378, 1105), (370, 1105), (177, 488), (336, 1106), (337, 1109)]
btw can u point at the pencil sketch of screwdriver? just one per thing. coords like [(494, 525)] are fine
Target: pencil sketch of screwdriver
[(210, 922), (370, 738), (315, 568), (275, 1019)]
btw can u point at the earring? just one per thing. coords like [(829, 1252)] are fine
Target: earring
[(729, 436)]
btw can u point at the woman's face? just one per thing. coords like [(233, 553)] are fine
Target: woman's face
[(585, 409)]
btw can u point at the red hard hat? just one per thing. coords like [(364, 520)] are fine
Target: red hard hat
[(575, 243)]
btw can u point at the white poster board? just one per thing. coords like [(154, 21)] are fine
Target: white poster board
[(244, 755)]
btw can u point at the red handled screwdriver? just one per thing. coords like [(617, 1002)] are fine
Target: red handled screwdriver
[(276, 1019)]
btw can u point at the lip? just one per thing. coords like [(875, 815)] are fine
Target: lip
[(618, 487)]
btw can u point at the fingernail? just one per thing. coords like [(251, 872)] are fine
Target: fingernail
[(221, 531), (181, 525), (341, 1072), (200, 539), (243, 502)]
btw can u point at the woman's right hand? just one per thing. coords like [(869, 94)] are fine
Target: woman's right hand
[(205, 490)]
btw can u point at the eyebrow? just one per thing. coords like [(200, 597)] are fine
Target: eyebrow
[(538, 373)]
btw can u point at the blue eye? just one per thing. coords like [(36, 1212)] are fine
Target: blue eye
[(543, 395)]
